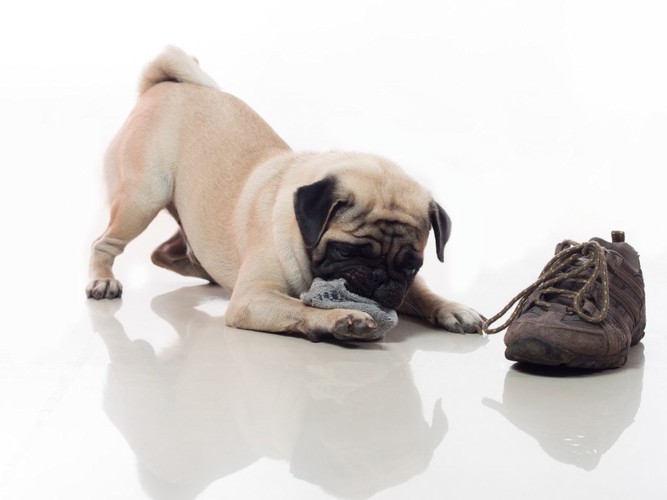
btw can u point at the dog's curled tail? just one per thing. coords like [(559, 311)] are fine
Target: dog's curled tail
[(174, 65)]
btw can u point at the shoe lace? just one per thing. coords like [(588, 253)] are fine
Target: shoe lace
[(577, 264)]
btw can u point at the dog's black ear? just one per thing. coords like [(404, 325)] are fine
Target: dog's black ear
[(314, 206), (442, 227)]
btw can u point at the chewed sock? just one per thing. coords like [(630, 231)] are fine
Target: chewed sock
[(333, 295)]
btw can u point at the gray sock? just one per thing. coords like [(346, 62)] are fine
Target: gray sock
[(333, 295)]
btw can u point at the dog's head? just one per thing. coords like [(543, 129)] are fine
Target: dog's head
[(370, 227)]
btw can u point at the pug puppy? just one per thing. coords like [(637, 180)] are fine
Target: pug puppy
[(261, 220)]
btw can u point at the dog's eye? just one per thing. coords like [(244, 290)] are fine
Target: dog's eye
[(344, 250), (409, 271)]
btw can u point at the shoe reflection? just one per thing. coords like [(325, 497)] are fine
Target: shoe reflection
[(348, 419), (575, 416)]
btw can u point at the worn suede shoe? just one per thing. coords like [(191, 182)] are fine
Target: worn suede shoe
[(586, 309)]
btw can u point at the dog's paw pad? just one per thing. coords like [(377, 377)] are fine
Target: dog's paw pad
[(352, 327), (104, 289)]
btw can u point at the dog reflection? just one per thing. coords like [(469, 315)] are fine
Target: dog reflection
[(575, 416), (346, 419)]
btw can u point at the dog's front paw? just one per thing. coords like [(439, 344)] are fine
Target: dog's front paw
[(355, 326), (347, 325), (104, 289), (458, 318)]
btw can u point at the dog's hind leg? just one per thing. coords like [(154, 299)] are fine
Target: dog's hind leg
[(130, 215), (175, 255), (139, 189)]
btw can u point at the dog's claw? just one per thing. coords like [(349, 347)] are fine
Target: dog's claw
[(459, 320), (104, 289)]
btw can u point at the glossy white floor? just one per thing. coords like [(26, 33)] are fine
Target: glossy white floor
[(530, 126)]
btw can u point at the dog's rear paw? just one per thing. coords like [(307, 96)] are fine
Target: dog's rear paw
[(104, 289)]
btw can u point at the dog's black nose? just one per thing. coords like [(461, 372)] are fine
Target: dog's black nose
[(390, 294), (378, 276)]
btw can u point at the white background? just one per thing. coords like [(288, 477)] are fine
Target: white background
[(531, 122)]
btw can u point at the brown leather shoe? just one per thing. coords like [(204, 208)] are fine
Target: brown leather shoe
[(585, 311)]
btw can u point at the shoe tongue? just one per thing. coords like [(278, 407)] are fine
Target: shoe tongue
[(624, 249), (563, 245)]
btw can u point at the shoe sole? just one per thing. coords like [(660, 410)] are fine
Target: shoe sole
[(538, 352)]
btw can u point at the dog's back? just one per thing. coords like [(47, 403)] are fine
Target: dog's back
[(183, 124)]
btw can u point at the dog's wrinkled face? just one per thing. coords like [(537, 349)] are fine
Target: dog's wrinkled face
[(370, 236)]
